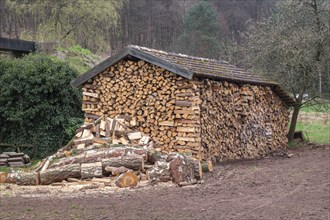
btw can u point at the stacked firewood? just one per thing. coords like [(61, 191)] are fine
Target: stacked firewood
[(187, 118), (151, 100), (107, 148), (239, 121), (14, 159), (107, 131), (208, 119)]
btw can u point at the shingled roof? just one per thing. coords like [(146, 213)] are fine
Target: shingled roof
[(187, 67)]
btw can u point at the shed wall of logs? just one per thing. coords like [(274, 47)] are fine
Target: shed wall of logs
[(241, 121)]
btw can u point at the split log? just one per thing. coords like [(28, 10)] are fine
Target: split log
[(135, 135), (60, 173), (47, 163), (160, 172), (210, 166), (182, 170), (100, 180), (143, 177)]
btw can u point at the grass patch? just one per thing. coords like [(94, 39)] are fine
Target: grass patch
[(5, 169), (30, 167), (79, 58), (315, 132)]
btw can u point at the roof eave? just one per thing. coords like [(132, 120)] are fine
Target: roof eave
[(174, 68), (135, 53), (99, 68), (235, 80)]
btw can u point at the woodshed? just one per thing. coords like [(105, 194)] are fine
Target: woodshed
[(204, 107)]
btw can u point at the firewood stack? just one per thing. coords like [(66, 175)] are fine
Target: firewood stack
[(108, 149), (108, 131), (151, 100), (206, 118), (240, 121), (13, 159)]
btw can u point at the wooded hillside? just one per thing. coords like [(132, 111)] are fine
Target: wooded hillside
[(109, 25)]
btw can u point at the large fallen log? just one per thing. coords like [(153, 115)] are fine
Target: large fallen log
[(60, 173), (27, 179), (89, 170), (97, 155), (68, 160), (133, 162)]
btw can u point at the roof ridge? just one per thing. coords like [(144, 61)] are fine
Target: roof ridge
[(178, 54)]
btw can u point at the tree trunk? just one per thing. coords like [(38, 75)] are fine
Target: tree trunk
[(60, 173), (27, 179), (89, 170), (293, 123), (134, 162)]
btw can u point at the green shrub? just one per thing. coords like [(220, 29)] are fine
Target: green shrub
[(37, 102)]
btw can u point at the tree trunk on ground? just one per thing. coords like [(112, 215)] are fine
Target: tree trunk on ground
[(98, 155), (60, 173), (134, 162), (89, 170), (27, 179)]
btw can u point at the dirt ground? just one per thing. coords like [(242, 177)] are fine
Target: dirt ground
[(270, 188)]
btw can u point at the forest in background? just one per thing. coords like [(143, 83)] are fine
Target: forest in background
[(105, 26)]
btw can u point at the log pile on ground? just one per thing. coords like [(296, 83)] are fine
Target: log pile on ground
[(13, 159), (121, 165), (241, 121)]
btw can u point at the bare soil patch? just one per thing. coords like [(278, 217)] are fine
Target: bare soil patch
[(270, 188)]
